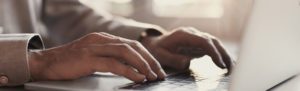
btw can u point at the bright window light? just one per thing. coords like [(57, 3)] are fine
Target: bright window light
[(188, 8), (116, 7), (121, 1)]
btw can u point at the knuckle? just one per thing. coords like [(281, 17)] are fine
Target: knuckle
[(211, 36), (189, 28), (144, 67), (135, 43), (180, 30), (185, 30), (154, 66), (103, 33), (93, 35), (117, 39), (215, 39), (144, 64), (205, 37), (124, 48), (92, 38)]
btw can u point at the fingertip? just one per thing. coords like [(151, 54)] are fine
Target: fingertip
[(140, 78), (219, 62), (223, 66), (162, 75), (227, 73), (151, 76)]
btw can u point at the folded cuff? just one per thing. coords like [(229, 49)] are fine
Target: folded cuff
[(14, 56), (130, 29)]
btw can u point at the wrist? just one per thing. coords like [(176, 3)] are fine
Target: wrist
[(36, 64), (149, 34)]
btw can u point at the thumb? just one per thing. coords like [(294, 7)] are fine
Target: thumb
[(175, 61)]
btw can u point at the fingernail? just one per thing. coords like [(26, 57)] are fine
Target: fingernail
[(152, 76), (141, 77), (163, 74), (223, 65)]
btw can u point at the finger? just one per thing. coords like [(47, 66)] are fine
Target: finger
[(155, 66), (204, 41), (128, 54), (225, 55), (215, 55), (175, 61), (104, 64)]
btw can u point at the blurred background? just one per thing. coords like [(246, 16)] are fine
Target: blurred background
[(222, 18), (225, 19)]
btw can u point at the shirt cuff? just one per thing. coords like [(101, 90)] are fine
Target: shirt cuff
[(131, 29), (14, 67)]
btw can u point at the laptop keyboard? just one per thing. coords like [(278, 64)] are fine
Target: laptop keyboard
[(183, 81)]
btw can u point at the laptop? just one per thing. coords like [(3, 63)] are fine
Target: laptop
[(269, 57)]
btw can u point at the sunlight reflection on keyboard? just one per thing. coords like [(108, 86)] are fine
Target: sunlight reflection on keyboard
[(202, 76)]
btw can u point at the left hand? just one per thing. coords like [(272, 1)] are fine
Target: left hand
[(170, 48)]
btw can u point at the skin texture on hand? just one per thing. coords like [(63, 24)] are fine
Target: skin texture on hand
[(95, 52), (168, 48)]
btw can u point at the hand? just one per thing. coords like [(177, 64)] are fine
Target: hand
[(172, 50), (95, 52)]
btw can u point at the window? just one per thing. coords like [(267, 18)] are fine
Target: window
[(188, 8), (218, 17), (116, 7)]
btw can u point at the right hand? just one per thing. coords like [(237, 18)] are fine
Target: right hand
[(95, 52)]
